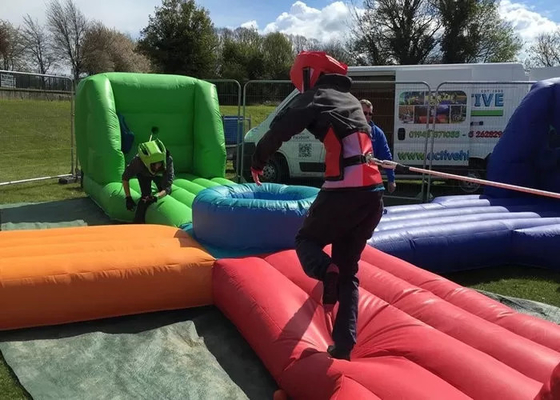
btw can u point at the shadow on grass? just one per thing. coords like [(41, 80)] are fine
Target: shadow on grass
[(220, 336)]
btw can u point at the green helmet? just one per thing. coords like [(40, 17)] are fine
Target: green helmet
[(152, 152)]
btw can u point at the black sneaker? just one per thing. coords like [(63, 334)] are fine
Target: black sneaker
[(339, 354), (330, 290)]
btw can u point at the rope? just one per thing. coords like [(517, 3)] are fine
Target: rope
[(393, 165)]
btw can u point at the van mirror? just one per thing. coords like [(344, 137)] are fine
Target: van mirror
[(401, 134)]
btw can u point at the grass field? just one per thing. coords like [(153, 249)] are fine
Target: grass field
[(35, 137)]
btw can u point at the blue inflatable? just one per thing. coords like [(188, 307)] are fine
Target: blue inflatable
[(248, 218), (501, 226), (455, 233), (528, 153)]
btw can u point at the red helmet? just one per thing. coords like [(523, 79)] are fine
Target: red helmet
[(309, 65)]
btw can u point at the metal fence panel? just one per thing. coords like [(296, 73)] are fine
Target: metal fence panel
[(36, 127), (229, 97), (401, 110), (468, 120), (453, 128), (260, 99)]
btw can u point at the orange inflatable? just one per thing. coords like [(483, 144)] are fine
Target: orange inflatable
[(63, 275)]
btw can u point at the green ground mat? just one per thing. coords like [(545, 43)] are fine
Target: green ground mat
[(52, 214), (186, 354)]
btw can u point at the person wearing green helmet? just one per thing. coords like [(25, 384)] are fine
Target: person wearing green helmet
[(153, 163)]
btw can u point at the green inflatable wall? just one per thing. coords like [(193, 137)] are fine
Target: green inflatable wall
[(187, 113)]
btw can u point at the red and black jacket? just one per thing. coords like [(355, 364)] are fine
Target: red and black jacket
[(335, 117)]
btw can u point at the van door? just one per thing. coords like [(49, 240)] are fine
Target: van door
[(305, 154), (418, 109)]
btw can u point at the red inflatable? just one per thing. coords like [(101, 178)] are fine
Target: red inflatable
[(420, 336)]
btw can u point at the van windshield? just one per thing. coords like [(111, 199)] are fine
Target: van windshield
[(290, 102)]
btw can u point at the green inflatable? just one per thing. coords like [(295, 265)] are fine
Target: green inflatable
[(115, 112)]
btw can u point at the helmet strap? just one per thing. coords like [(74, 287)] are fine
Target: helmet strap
[(306, 79)]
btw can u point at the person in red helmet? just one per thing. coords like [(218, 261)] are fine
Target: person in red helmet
[(349, 205)]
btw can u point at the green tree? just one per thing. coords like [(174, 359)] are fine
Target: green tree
[(278, 56), (12, 50), (545, 52), (395, 32), (242, 54), (67, 25), (408, 32), (459, 38), (474, 31), (110, 50), (180, 39), (338, 50), (301, 43), (37, 45)]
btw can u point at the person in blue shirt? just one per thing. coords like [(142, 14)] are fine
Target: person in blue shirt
[(381, 149)]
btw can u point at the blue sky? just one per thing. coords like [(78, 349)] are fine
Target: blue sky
[(548, 8), (320, 19), (240, 11)]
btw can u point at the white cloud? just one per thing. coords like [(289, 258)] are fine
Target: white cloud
[(529, 24), (526, 22), (250, 25), (331, 22)]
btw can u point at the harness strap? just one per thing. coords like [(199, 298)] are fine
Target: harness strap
[(357, 159)]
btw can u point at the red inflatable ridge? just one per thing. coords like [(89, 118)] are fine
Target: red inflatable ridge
[(420, 336)]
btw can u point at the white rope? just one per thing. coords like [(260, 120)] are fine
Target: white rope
[(393, 165)]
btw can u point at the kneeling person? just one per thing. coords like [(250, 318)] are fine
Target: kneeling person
[(153, 163)]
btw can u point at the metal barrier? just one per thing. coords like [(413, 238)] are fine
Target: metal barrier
[(265, 93), (401, 126), (22, 86), (453, 128), (227, 98), (467, 131)]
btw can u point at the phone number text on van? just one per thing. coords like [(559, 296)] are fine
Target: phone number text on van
[(436, 134), (486, 134)]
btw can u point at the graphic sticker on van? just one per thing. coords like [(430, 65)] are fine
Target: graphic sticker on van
[(415, 106)]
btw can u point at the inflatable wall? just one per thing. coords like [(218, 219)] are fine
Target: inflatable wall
[(528, 153), (186, 112)]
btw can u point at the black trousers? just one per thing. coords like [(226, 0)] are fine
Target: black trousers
[(346, 220), (145, 183)]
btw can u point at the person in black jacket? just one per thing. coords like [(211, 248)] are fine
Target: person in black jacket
[(349, 205), (153, 163)]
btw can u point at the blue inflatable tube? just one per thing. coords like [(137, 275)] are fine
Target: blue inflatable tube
[(248, 216), (455, 233)]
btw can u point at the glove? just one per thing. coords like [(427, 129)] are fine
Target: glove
[(150, 199), (130, 204), (255, 174)]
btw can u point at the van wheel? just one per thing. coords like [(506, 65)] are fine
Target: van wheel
[(477, 171), (275, 170)]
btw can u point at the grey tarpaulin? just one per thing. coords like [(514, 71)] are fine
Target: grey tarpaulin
[(186, 354), (534, 308)]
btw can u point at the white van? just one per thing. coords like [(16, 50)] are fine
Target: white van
[(468, 121)]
